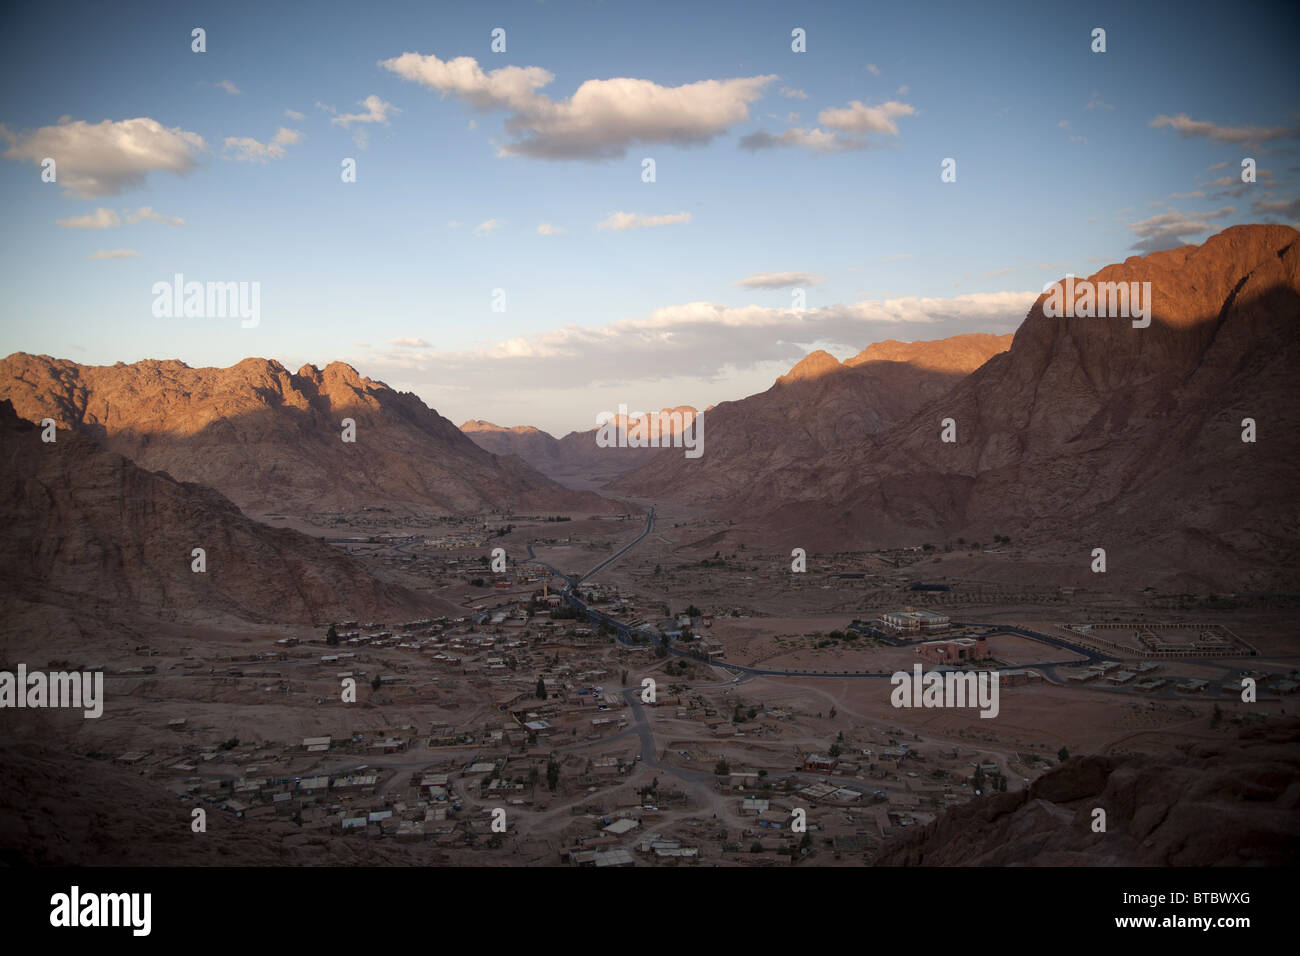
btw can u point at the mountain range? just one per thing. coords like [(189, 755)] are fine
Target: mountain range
[(274, 440), (91, 532), (578, 454), (1085, 432)]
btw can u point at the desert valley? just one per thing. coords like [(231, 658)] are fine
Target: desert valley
[(339, 629), (443, 442)]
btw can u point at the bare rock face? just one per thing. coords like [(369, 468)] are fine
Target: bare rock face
[(540, 449), (270, 439), (821, 407), (813, 365), (1086, 432), (1226, 803), (88, 529)]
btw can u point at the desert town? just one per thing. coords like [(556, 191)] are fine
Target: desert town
[(628, 719)]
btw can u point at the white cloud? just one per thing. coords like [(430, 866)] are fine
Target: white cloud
[(115, 254), (1096, 103), (377, 111), (793, 94), (815, 139), (779, 280), (229, 87), (1064, 124), (105, 158), (851, 125), (295, 115), (903, 90), (1186, 127), (1169, 230), (626, 220), (858, 118), (700, 341), (601, 120), (409, 343), (107, 218), (487, 227), (249, 150), (1286, 208), (873, 69), (546, 229), (99, 219), (146, 212)]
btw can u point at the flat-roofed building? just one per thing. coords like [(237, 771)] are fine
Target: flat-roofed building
[(957, 650)]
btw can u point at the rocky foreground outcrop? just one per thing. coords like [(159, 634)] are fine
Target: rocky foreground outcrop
[(60, 809), (1234, 802)]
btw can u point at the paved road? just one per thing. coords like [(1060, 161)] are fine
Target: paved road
[(744, 672), (649, 526)]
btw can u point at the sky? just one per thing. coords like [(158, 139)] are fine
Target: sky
[(503, 251)]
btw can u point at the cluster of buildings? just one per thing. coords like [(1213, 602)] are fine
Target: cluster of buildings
[(1161, 640)]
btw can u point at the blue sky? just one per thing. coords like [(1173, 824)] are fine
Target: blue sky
[(1064, 163)]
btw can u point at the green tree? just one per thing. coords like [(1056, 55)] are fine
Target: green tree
[(721, 769), (332, 637), (541, 689), (552, 774), (1063, 755), (375, 682)]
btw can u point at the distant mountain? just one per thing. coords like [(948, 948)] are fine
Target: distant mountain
[(817, 410), (577, 453), (270, 439), (1087, 432), (90, 531), (540, 449)]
